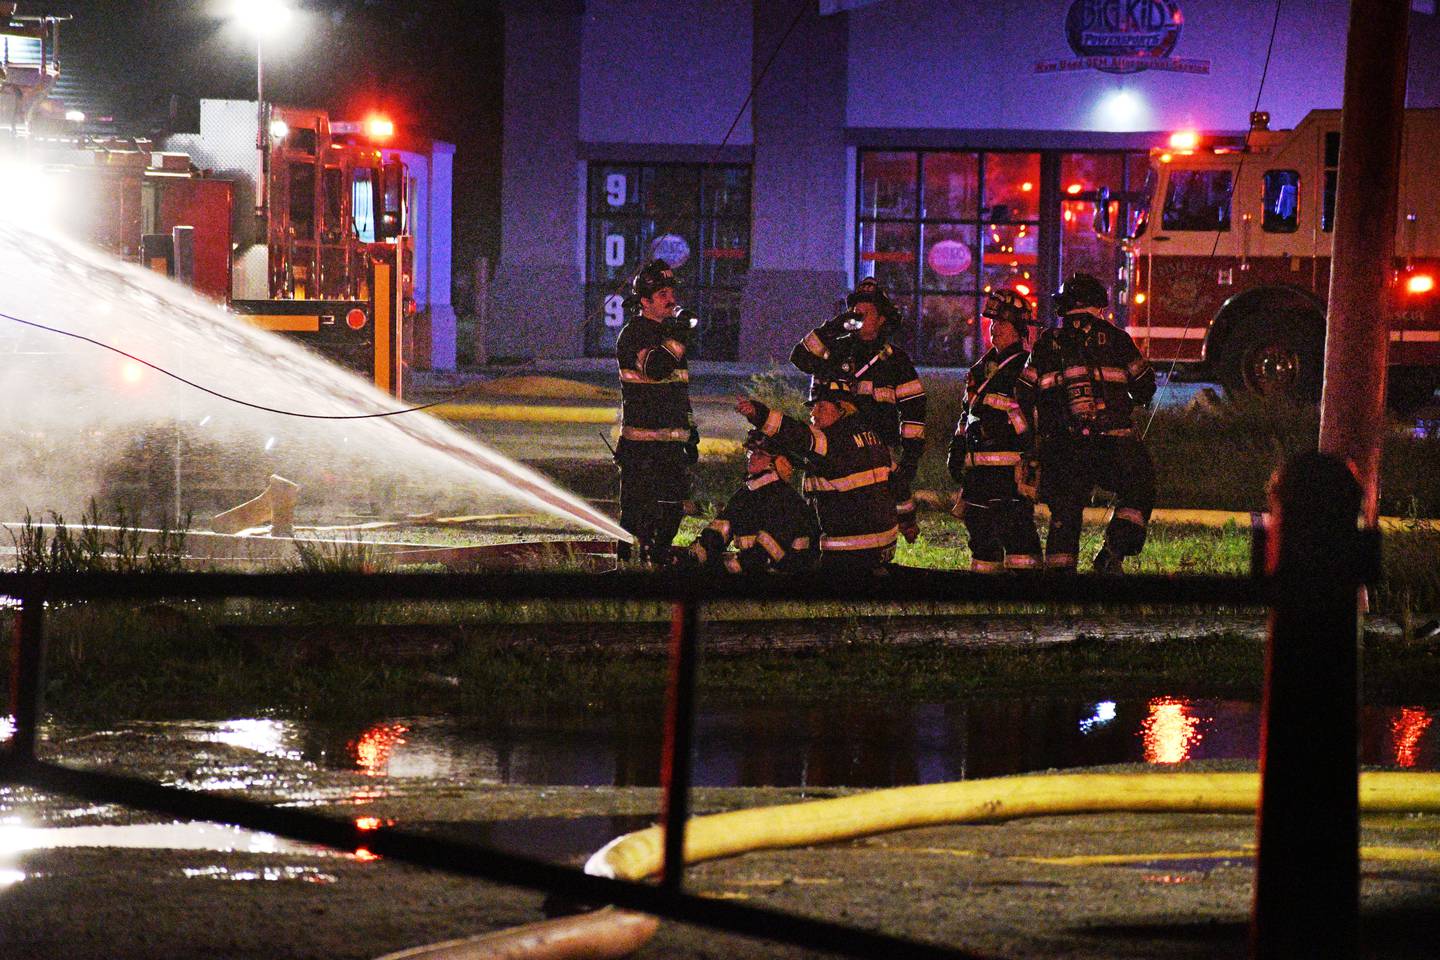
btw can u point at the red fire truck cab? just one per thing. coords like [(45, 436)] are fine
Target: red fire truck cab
[(1226, 258)]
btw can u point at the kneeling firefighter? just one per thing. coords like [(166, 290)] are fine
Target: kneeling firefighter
[(858, 346), (658, 439), (1084, 380), (847, 476), (992, 451), (770, 526)]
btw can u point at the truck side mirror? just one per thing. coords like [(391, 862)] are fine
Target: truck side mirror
[(392, 201)]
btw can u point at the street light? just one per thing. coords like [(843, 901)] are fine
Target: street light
[(261, 19)]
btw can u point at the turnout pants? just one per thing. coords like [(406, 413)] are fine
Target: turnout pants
[(857, 561), (1071, 469), (1001, 522), (654, 482)]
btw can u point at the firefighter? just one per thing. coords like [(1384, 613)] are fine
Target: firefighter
[(992, 451), (658, 439), (1084, 380), (771, 527), (856, 346), (847, 475)]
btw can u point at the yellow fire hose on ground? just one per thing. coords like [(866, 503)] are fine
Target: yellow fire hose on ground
[(611, 933)]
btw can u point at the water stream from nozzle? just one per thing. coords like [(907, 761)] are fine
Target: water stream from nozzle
[(79, 421)]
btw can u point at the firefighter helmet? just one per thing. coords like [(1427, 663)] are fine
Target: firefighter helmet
[(1078, 291), (871, 290), (836, 391), (760, 442), (651, 279), (1007, 306)]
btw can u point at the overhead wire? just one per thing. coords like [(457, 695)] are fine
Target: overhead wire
[(1215, 245), (800, 11)]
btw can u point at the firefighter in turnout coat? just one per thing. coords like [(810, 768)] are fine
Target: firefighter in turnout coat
[(772, 529), (658, 439), (992, 451), (855, 347), (847, 476), (1084, 380)]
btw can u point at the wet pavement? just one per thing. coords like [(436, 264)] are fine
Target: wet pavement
[(88, 881)]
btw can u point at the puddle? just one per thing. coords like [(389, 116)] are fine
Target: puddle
[(17, 838)]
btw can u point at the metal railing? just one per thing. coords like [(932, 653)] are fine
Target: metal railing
[(1297, 597)]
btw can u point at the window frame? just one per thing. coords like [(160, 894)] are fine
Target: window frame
[(1290, 224), (713, 294)]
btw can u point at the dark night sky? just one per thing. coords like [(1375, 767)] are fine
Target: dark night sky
[(432, 65)]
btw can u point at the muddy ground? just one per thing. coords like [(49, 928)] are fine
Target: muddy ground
[(1174, 886)]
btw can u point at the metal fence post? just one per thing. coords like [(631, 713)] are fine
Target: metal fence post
[(679, 733), (1307, 877), (27, 675)]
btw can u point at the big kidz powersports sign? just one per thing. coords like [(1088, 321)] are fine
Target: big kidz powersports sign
[(1123, 36)]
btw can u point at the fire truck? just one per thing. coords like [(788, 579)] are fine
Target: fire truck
[(325, 259), (1225, 257)]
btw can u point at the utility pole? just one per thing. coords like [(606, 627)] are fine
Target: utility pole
[(1357, 340)]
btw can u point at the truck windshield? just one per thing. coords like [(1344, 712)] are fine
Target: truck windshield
[(1197, 200)]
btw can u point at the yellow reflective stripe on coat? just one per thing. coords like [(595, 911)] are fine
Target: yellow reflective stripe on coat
[(912, 430), (721, 527), (863, 541), (800, 543), (675, 348), (771, 546), (635, 376), (816, 346), (819, 443), (657, 434), (854, 481), (771, 426), (745, 542), (992, 459), (912, 388)]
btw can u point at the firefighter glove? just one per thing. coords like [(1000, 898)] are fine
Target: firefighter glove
[(1027, 478)]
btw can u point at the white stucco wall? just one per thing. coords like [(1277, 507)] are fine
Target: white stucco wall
[(662, 71), (963, 65)]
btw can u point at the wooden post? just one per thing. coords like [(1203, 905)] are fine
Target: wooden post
[(1357, 341)]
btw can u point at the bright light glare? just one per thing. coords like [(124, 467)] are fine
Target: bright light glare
[(75, 116), (279, 129), (1184, 140), (1121, 110), (1420, 283), (379, 128), (132, 372), (31, 196), (261, 17)]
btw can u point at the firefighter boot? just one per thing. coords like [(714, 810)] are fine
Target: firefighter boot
[(1107, 562)]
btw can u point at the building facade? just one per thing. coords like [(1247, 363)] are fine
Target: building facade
[(944, 146)]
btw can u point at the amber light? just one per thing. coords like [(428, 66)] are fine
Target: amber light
[(1022, 289), (1073, 189), (1026, 187), (379, 128), (1419, 283), (1139, 298), (1184, 140)]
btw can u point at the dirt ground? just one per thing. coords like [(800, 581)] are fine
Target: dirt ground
[(1177, 886)]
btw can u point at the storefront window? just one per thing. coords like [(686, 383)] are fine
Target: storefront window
[(945, 225), (1012, 187), (696, 217), (952, 186), (887, 184)]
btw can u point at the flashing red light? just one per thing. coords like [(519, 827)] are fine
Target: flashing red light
[(1184, 140), (132, 371), (1419, 283), (1073, 189), (355, 319), (1022, 289), (379, 128)]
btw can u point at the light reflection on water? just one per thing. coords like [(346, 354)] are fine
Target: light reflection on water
[(844, 744)]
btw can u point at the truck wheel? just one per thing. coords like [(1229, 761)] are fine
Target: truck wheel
[(1279, 355)]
